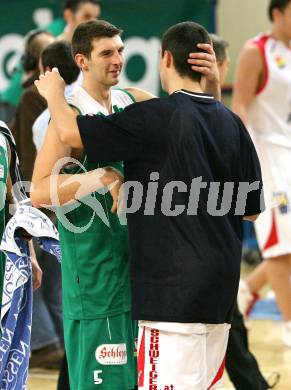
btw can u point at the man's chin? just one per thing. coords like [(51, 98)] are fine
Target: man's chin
[(114, 81)]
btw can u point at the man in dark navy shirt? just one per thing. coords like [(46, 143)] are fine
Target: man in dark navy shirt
[(192, 175)]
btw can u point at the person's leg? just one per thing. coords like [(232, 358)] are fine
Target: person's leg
[(101, 352), (42, 331), (257, 278), (216, 344), (178, 357), (46, 345), (52, 292), (63, 381), (241, 365), (278, 274)]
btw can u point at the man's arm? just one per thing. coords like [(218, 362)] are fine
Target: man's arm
[(248, 78), (205, 63), (53, 189), (52, 87), (251, 218)]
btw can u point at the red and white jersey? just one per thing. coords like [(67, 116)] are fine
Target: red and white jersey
[(270, 119)]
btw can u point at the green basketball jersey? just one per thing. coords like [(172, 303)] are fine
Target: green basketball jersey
[(95, 256), (3, 186)]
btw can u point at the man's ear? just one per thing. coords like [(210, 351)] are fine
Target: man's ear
[(168, 58), (81, 61)]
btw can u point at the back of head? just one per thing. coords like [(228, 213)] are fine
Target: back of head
[(219, 46), (182, 39), (277, 4), (35, 41), (85, 33), (73, 5), (58, 54)]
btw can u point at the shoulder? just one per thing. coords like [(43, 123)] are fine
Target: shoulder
[(254, 49), (124, 95), (154, 104), (139, 95), (74, 100)]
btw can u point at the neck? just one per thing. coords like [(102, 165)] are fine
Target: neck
[(66, 35), (99, 92), (178, 83), (278, 34)]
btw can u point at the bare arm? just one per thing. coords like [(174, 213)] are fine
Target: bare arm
[(205, 63), (36, 270), (248, 78), (50, 188)]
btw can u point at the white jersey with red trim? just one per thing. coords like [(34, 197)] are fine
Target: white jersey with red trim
[(270, 119), (270, 128)]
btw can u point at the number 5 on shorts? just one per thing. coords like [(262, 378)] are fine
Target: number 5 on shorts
[(97, 380)]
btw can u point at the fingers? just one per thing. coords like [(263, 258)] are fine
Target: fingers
[(202, 63), (201, 69), (207, 47), (201, 56)]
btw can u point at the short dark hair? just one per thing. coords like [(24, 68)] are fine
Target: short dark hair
[(86, 32), (182, 39), (73, 5), (219, 46), (277, 4), (58, 54)]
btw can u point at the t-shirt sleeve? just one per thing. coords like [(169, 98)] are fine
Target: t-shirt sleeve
[(117, 137), (250, 176)]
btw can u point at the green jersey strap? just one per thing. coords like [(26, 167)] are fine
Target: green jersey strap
[(76, 108)]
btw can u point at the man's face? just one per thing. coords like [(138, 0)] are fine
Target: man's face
[(223, 68), (85, 13), (106, 60), (284, 20)]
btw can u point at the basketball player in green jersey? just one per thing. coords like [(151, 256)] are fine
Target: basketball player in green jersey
[(99, 335)]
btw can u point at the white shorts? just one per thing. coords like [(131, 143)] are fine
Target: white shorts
[(175, 356), (273, 231)]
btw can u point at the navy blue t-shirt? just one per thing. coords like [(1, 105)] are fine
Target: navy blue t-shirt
[(185, 254)]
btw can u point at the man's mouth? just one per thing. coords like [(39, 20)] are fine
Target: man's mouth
[(114, 72)]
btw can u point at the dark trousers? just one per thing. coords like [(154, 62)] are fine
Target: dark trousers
[(241, 365), (63, 382)]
